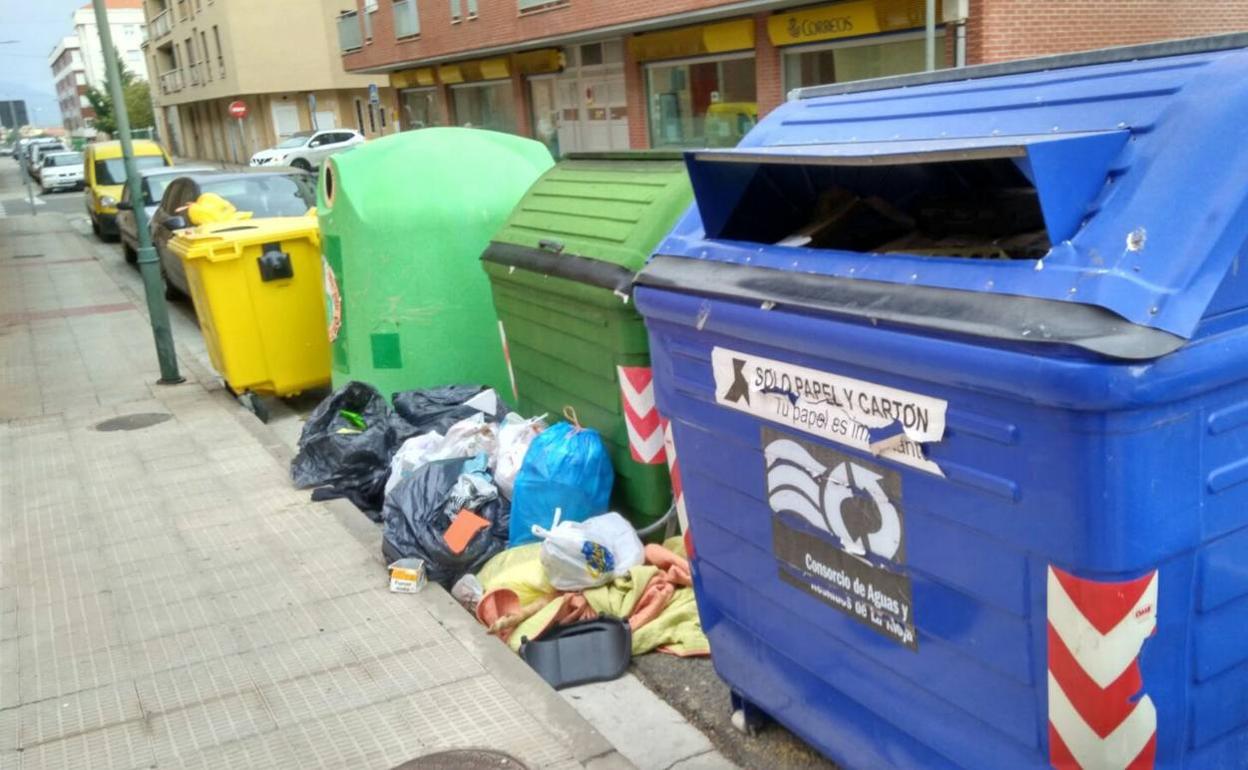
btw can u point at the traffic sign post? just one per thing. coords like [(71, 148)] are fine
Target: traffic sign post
[(238, 110)]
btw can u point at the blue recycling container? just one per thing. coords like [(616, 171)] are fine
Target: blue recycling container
[(957, 371)]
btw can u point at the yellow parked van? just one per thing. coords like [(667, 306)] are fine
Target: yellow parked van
[(105, 173)]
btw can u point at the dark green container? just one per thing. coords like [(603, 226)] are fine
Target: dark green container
[(561, 269)]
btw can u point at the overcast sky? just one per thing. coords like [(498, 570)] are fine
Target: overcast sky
[(24, 71)]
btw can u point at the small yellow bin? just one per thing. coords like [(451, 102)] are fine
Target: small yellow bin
[(257, 286)]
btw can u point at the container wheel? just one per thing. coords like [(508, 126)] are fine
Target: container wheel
[(254, 404), (746, 717)]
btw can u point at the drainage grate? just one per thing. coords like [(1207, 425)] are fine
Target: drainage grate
[(133, 421), (464, 759)]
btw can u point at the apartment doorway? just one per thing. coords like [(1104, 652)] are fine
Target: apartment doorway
[(175, 130), (583, 109)]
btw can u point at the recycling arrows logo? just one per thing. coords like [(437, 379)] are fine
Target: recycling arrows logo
[(844, 498)]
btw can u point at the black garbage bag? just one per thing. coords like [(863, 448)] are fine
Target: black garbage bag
[(439, 408), (422, 507), (346, 446)]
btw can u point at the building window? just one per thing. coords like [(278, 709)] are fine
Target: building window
[(527, 6), (203, 47), (372, 118), (701, 103), (485, 105), (457, 10), (420, 108), (216, 38), (858, 60), (359, 115), (406, 19)]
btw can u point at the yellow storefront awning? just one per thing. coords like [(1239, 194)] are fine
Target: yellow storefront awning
[(538, 62), (736, 35), (450, 73), (421, 76), (494, 69), (851, 19)]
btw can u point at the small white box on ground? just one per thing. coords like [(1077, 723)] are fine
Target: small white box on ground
[(407, 576)]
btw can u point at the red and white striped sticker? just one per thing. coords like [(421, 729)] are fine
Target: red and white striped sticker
[(1096, 630), (678, 492), (645, 429), (511, 373)]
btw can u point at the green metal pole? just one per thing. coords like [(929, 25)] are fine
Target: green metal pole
[(157, 311)]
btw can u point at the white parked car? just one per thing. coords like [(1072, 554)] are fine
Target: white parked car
[(38, 147), (60, 171), (308, 149)]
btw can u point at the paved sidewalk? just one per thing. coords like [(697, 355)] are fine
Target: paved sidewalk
[(167, 600)]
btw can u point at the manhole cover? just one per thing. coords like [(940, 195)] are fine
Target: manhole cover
[(133, 421), (464, 759)]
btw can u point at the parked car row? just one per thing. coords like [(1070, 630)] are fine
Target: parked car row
[(49, 162), (167, 191)]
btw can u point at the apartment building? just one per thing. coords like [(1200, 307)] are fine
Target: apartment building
[(70, 79), (77, 60), (278, 57), (604, 75)]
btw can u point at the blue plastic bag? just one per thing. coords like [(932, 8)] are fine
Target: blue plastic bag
[(567, 468)]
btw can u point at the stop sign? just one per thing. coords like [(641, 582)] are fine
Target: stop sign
[(238, 110)]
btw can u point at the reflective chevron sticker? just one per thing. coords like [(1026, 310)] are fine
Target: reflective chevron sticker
[(645, 430), (1095, 633), (511, 373), (673, 469)]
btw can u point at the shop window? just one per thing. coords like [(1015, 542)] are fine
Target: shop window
[(486, 105), (419, 108), (591, 54), (706, 103), (858, 61)]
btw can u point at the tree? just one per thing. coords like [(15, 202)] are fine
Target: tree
[(136, 94)]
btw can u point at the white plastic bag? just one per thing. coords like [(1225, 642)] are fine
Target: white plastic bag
[(514, 436), (584, 554), (469, 437)]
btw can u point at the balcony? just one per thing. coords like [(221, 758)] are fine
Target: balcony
[(171, 82), (161, 25), (350, 37)]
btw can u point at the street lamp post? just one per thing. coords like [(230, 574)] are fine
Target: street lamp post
[(157, 311)]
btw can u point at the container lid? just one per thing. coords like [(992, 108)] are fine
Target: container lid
[(226, 240), (595, 218), (1116, 186)]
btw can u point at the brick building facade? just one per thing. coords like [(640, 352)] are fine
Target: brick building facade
[(605, 74)]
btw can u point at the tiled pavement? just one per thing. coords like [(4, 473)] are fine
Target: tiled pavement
[(167, 600)]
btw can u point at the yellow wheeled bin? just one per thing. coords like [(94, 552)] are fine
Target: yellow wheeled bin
[(258, 289)]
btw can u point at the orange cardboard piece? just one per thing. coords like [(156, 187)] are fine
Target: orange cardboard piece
[(461, 531)]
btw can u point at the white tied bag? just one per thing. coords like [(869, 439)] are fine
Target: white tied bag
[(584, 554)]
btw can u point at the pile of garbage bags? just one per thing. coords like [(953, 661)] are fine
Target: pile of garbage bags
[(452, 475), (508, 514)]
